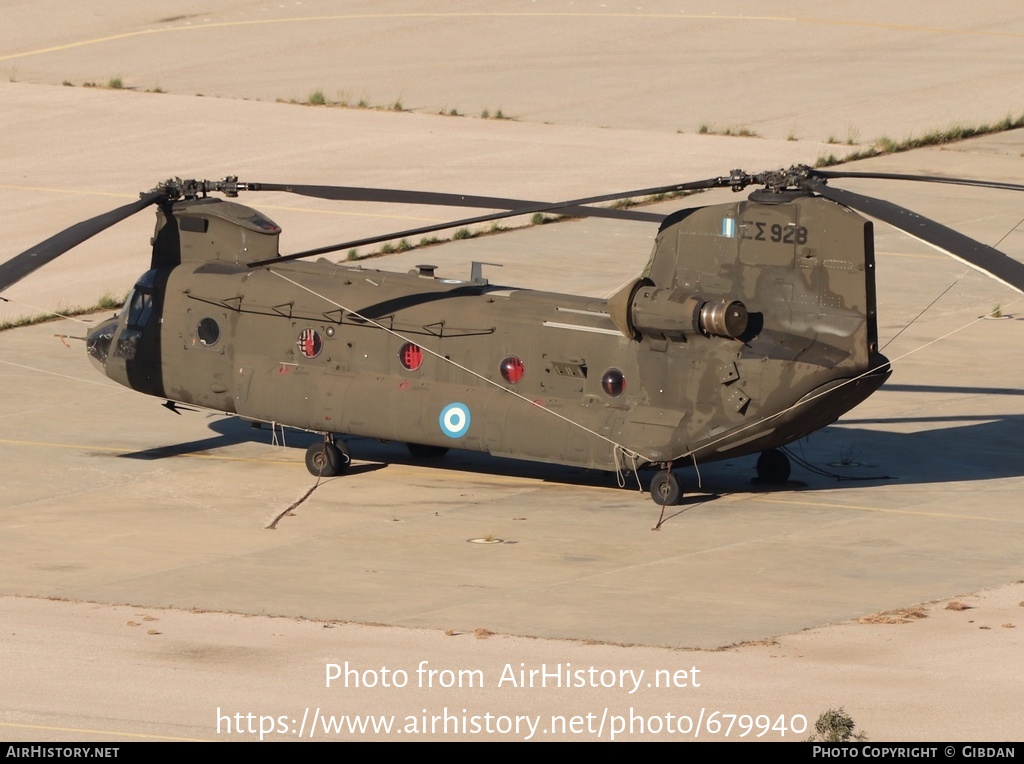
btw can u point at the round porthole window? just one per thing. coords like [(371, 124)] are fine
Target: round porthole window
[(310, 343), (410, 356), (208, 331), (613, 383), (512, 369)]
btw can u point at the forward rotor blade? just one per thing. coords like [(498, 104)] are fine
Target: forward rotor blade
[(973, 253), (529, 210), (22, 265), (997, 184), (399, 196)]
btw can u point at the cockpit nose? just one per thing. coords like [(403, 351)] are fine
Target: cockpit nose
[(97, 344)]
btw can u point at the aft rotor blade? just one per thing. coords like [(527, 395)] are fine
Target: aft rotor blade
[(997, 184), (22, 265), (975, 254), (529, 210), (400, 196)]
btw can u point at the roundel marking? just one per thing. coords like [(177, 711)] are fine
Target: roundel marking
[(454, 420)]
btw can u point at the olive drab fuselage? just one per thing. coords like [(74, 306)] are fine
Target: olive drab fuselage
[(752, 325)]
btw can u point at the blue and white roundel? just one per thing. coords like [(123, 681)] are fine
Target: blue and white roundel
[(454, 420)]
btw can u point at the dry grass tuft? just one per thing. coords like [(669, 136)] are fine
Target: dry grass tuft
[(835, 726), (906, 615), (770, 642)]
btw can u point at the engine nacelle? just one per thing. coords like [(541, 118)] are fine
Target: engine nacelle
[(643, 309)]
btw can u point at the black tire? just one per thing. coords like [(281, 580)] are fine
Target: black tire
[(665, 489), (421, 451), (773, 467), (344, 456), (327, 459)]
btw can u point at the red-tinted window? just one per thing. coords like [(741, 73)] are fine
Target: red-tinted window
[(411, 356), (512, 369), (310, 343)]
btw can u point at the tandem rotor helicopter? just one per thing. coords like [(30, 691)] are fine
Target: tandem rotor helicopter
[(752, 325)]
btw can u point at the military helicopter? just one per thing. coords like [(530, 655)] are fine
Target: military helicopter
[(752, 325)]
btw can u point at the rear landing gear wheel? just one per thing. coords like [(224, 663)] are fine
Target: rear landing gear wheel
[(426, 452), (328, 459), (773, 467), (665, 489)]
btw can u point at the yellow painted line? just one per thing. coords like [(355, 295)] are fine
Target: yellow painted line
[(112, 449), (916, 513), (83, 730), (440, 472), (908, 254), (443, 474), (75, 191), (540, 15), (58, 374), (356, 214), (908, 28)]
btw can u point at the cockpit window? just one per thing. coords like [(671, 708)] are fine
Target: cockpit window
[(141, 308), (128, 303)]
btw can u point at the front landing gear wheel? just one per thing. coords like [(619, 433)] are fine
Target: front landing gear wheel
[(328, 459), (773, 467), (665, 489)]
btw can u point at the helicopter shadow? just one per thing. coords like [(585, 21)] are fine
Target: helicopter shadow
[(926, 449), (371, 455), (922, 449), (229, 433)]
